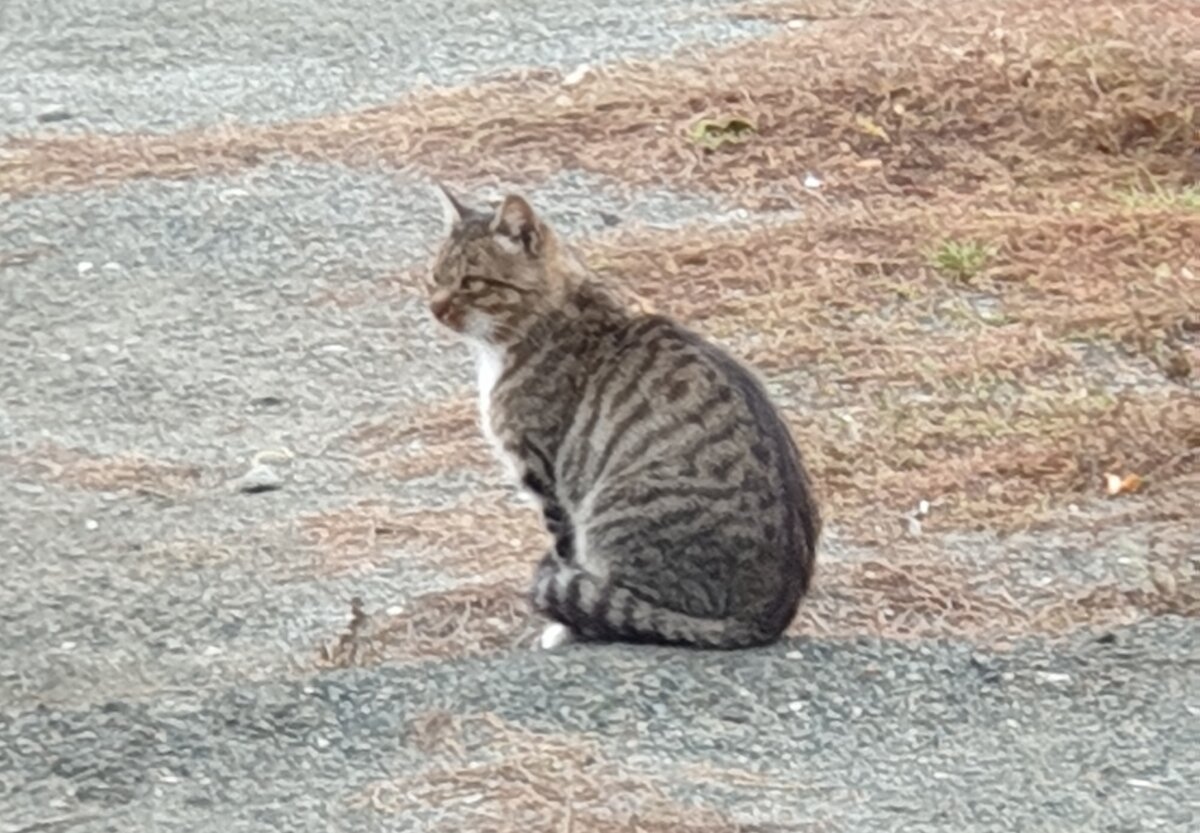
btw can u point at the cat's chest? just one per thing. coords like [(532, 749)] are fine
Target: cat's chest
[(489, 365)]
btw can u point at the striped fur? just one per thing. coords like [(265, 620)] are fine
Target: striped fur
[(680, 508)]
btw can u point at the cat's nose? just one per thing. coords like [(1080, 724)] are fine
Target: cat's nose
[(439, 305)]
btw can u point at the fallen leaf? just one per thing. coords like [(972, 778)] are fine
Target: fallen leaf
[(712, 133), (868, 126), (1116, 485)]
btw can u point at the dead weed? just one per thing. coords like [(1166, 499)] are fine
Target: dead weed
[(472, 620), (131, 472), (490, 775)]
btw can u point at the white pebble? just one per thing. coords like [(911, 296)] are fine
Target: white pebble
[(812, 181), (84, 267), (260, 478), (578, 74), (91, 525), (1053, 677)]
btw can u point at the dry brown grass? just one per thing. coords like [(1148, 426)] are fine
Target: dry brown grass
[(906, 598), (489, 775), (912, 595), (354, 538), (984, 467), (418, 442), (471, 620), (925, 99), (130, 472), (488, 536), (919, 390)]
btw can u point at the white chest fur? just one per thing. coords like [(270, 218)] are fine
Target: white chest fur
[(489, 364)]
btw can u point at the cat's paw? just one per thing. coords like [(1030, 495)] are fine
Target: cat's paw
[(554, 636)]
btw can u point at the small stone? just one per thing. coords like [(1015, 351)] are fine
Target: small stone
[(91, 525), (213, 651), (260, 478), (55, 115), (1053, 677), (796, 706), (111, 266), (278, 456), (84, 267), (794, 655), (812, 181), (67, 646), (230, 194)]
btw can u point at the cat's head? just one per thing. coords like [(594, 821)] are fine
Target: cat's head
[(498, 271)]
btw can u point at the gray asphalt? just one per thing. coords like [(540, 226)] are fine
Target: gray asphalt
[(156, 657), (123, 65)]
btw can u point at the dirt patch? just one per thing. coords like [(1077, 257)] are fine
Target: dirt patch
[(905, 598), (922, 599), (434, 439), (490, 775), (974, 394), (488, 536), (130, 472), (471, 620), (913, 99)]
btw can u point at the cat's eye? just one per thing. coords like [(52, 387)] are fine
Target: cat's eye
[(480, 281)]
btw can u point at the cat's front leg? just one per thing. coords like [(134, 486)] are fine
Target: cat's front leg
[(555, 634), (537, 478)]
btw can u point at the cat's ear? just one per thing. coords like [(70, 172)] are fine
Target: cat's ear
[(516, 221), (453, 211)]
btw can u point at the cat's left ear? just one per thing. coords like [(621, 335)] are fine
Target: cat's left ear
[(515, 220), (453, 211)]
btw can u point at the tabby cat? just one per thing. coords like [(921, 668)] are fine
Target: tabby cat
[(680, 509)]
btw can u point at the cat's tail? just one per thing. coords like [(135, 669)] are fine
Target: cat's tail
[(599, 610)]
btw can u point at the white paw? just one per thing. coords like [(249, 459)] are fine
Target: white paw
[(554, 636)]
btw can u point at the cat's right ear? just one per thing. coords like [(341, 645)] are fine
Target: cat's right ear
[(453, 211), (516, 223)]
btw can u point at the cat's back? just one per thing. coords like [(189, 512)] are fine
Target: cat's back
[(664, 400)]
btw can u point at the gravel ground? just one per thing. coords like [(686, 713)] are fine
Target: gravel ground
[(873, 736), (156, 664), (119, 65)]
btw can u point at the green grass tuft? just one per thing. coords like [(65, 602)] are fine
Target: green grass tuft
[(962, 260)]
